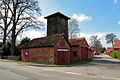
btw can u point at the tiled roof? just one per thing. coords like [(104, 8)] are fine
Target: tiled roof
[(77, 41), (109, 49), (93, 48), (57, 14), (43, 42), (117, 44)]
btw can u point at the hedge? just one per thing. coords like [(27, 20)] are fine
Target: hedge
[(115, 54)]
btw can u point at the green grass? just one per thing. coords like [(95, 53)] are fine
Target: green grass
[(75, 63), (36, 62), (72, 63)]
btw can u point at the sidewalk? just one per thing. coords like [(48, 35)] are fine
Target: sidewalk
[(106, 57)]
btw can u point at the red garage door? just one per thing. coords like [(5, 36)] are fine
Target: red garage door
[(84, 53), (62, 57)]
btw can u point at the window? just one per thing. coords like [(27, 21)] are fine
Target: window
[(75, 53)]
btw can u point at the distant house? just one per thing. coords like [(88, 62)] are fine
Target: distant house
[(117, 45), (109, 49), (53, 49), (80, 49), (95, 50), (115, 48)]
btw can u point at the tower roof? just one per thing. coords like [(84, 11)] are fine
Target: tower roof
[(57, 14)]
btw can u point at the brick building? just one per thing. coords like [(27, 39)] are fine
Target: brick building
[(57, 23), (117, 45), (109, 49), (53, 49), (115, 48), (80, 49)]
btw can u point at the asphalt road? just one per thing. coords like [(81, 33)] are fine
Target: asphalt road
[(102, 68)]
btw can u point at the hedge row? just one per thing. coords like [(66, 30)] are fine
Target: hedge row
[(115, 54)]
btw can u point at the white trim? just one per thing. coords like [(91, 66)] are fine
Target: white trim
[(62, 50)]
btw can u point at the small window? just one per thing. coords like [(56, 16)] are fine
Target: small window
[(75, 53)]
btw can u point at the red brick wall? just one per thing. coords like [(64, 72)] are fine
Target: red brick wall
[(90, 54), (84, 53), (78, 54), (62, 44), (45, 54)]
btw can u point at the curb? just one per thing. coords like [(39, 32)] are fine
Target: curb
[(34, 64)]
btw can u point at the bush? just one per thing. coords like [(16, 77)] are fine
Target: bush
[(5, 50), (115, 54), (118, 55), (112, 54)]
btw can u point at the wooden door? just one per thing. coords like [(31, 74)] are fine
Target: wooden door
[(84, 53), (62, 57)]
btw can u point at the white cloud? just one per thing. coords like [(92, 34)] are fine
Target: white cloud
[(32, 34), (115, 1), (81, 17), (41, 18), (118, 22), (101, 36)]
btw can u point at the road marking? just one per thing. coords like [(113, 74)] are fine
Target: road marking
[(111, 78), (48, 69), (73, 73), (42, 68)]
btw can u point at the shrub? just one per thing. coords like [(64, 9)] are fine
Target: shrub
[(118, 55), (5, 50), (115, 54)]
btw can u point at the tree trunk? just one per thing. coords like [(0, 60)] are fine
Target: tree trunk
[(112, 43), (4, 37), (13, 46)]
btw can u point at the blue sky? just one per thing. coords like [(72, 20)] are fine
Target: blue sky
[(96, 17)]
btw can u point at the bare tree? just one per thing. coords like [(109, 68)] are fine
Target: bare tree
[(95, 42), (73, 29), (24, 17), (110, 38), (5, 20)]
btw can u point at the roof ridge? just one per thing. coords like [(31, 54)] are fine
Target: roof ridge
[(43, 41)]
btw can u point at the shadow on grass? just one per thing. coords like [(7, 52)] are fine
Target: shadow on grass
[(77, 63), (72, 63)]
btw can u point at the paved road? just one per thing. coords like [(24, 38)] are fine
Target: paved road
[(102, 68)]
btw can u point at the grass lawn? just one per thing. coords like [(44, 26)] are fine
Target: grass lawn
[(72, 63), (75, 63)]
